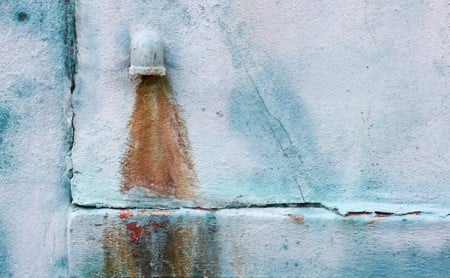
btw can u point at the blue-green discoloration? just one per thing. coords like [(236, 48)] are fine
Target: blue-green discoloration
[(412, 262), (5, 116), (24, 88), (6, 123), (263, 105)]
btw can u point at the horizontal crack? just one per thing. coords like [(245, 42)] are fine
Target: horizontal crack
[(272, 205)]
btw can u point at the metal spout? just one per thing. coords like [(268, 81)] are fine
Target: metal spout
[(147, 54)]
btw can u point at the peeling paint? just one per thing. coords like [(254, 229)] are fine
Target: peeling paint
[(125, 214), (158, 158), (297, 218), (136, 231)]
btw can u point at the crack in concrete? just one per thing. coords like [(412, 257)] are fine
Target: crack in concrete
[(367, 25), (306, 205), (287, 151), (70, 64), (284, 149)]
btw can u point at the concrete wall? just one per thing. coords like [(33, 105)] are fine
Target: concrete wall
[(281, 102), (301, 138), (35, 136)]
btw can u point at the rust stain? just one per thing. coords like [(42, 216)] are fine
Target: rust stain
[(158, 156), (191, 249), (383, 214), (118, 261), (297, 218), (356, 213), (180, 248)]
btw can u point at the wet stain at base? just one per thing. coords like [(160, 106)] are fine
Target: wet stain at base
[(158, 157), (161, 246)]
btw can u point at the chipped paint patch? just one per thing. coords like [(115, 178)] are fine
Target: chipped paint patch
[(158, 157), (136, 231), (297, 218), (161, 212), (125, 214)]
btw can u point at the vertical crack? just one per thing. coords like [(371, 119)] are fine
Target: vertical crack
[(70, 63), (271, 119), (286, 146), (367, 24)]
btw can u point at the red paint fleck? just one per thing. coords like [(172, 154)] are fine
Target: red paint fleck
[(414, 212), (297, 218), (354, 213), (142, 211), (214, 228), (125, 214), (136, 231), (383, 214), (156, 225), (198, 207)]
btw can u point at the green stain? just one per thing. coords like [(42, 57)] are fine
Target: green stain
[(4, 122), (5, 125)]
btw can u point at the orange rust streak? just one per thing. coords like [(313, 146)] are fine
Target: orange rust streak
[(158, 157)]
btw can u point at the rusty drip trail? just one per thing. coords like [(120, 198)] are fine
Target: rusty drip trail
[(158, 156)]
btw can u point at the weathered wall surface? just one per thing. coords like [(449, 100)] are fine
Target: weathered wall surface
[(339, 105), (267, 104), (282, 102), (268, 242), (35, 81)]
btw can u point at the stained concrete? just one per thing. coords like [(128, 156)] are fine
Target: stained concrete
[(282, 102), (287, 242)]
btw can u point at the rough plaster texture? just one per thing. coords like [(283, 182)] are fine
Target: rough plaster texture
[(35, 85), (35, 67), (345, 100), (275, 242)]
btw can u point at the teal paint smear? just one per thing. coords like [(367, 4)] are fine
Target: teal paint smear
[(372, 257), (6, 123), (266, 109), (412, 262)]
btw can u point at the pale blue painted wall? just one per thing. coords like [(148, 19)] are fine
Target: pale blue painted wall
[(35, 81), (349, 99)]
